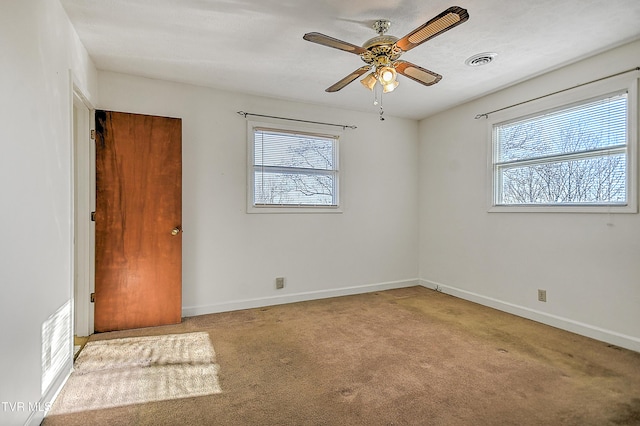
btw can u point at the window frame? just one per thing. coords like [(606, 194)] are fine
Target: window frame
[(560, 101), (311, 130)]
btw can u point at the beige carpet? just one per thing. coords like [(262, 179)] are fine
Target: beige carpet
[(136, 370), (401, 357)]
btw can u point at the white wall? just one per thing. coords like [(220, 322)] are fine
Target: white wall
[(231, 258), (38, 47), (588, 263)]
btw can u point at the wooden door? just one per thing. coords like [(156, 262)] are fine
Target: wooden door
[(138, 221)]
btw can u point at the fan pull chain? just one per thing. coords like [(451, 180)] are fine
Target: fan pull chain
[(381, 109), (377, 99)]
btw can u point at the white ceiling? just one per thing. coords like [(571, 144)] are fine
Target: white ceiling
[(256, 46)]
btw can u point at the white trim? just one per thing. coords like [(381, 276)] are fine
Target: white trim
[(235, 305), (577, 95), (588, 330), (37, 416), (80, 124), (83, 202)]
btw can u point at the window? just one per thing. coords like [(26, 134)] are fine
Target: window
[(576, 157), (293, 169)]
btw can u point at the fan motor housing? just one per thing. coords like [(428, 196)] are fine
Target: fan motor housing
[(380, 40), (381, 50)]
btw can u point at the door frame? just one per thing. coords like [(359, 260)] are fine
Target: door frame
[(83, 194)]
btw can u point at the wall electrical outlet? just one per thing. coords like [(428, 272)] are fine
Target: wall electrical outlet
[(542, 295), (279, 283)]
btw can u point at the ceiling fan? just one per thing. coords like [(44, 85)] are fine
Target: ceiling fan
[(382, 53)]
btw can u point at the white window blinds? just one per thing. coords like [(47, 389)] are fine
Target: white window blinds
[(294, 169), (576, 155)]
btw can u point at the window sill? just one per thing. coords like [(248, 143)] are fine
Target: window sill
[(294, 209), (562, 209)]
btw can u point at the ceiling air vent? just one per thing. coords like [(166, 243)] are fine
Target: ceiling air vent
[(481, 59)]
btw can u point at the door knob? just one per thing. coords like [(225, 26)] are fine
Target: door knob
[(175, 231)]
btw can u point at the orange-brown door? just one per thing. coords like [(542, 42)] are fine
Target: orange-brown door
[(138, 221)]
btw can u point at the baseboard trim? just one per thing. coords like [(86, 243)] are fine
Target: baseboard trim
[(236, 305), (38, 414), (604, 335)]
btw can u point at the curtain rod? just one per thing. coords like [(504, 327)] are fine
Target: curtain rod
[(486, 114), (344, 126)]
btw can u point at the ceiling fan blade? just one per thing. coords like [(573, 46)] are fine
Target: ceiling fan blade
[(334, 42), (348, 79), (416, 73), (448, 19)]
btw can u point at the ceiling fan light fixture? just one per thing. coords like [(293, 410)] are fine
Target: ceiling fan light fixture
[(382, 54), (369, 81), (387, 75), (390, 87)]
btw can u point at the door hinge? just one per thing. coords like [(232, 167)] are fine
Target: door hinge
[(93, 134), (93, 297), (93, 216)]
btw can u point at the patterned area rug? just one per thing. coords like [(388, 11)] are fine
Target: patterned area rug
[(117, 372)]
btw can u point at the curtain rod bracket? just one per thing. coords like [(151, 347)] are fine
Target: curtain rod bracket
[(344, 126)]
